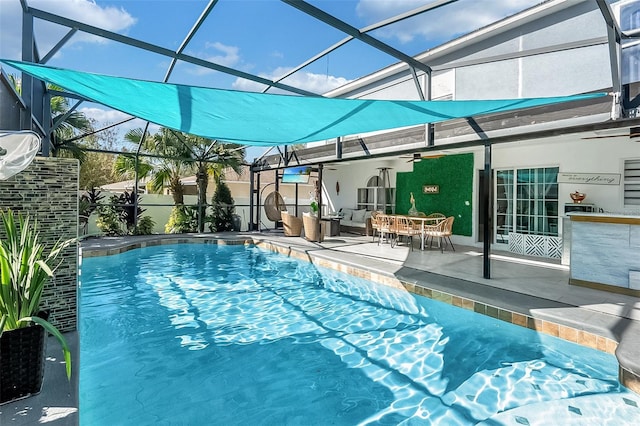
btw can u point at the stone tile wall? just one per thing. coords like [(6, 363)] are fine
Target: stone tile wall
[(48, 191)]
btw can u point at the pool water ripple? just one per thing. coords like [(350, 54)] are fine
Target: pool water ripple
[(205, 334)]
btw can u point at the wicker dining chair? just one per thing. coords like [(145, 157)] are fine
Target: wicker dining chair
[(404, 227), (387, 227), (442, 231), (375, 224)]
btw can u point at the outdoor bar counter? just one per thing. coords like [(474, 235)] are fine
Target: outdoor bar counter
[(605, 252)]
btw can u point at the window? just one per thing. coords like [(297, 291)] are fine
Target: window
[(504, 204), (631, 183), (628, 14), (526, 202), (371, 198)]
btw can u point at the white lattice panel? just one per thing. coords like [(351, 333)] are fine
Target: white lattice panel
[(535, 245), (516, 243), (554, 247)]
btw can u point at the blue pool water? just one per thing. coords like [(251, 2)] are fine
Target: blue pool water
[(228, 335)]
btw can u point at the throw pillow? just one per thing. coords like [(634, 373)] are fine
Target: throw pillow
[(358, 216)]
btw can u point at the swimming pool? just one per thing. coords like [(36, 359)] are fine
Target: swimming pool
[(199, 334)]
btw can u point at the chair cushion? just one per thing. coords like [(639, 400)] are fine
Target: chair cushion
[(347, 214), (358, 215)]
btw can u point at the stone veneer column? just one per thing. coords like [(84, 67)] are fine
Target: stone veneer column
[(48, 191)]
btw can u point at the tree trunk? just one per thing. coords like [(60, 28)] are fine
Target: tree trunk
[(178, 192), (202, 179)]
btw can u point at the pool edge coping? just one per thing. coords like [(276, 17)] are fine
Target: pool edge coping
[(627, 374)]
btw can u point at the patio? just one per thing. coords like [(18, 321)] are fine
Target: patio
[(523, 287)]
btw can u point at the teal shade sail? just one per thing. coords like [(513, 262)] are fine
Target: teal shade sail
[(264, 119)]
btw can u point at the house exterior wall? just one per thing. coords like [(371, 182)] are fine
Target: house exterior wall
[(576, 156), (507, 64), (354, 175), (48, 191), (570, 155)]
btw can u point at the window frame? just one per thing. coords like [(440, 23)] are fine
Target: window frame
[(535, 210)]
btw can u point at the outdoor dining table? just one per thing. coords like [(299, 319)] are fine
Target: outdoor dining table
[(424, 221)]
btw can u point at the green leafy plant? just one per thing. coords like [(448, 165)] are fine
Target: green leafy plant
[(182, 219), (24, 270), (109, 218), (120, 215), (145, 226), (89, 202)]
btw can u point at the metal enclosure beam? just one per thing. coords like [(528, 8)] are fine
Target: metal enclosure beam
[(486, 198), (190, 35), (251, 198), (355, 33), (46, 124), (614, 36), (162, 51), (58, 45), (381, 24), (27, 80)]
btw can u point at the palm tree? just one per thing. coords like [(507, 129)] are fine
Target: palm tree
[(67, 128), (212, 157), (71, 125), (167, 172), (184, 154), (125, 167)]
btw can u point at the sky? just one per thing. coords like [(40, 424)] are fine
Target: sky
[(262, 37)]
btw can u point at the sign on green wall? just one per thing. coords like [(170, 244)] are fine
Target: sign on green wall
[(453, 175)]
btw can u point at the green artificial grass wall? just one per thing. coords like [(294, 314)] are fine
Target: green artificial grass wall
[(454, 175)]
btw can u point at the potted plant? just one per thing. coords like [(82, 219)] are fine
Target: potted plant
[(25, 267), (314, 208)]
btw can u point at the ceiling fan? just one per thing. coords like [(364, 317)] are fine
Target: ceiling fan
[(634, 132), (416, 157)]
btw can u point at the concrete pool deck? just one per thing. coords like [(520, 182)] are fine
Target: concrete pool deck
[(528, 291)]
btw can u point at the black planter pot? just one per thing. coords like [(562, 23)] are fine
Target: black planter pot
[(22, 356)]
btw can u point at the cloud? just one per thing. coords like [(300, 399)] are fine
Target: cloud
[(316, 83), (47, 34), (228, 56), (441, 24), (106, 117)]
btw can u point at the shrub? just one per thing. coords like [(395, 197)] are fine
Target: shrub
[(109, 220), (119, 216), (145, 226), (221, 218), (182, 219)]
